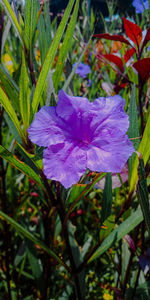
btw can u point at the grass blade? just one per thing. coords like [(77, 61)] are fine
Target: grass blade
[(24, 96), (10, 86), (144, 149), (142, 193), (10, 111), (13, 19), (107, 198), (25, 233), (65, 46), (20, 165), (50, 57), (30, 22), (117, 234)]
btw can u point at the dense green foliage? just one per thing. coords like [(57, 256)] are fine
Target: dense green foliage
[(84, 242)]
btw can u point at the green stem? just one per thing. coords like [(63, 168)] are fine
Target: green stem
[(61, 211)]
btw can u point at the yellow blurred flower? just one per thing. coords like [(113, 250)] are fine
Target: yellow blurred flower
[(107, 296), (8, 63), (38, 58)]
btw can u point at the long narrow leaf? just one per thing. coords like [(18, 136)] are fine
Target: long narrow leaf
[(50, 57), (24, 94), (20, 165), (10, 111), (31, 237), (107, 198), (43, 41), (117, 234), (133, 131), (144, 149), (9, 85), (13, 19), (30, 22), (65, 46), (142, 193)]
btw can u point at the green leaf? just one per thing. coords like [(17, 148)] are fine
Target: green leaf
[(24, 96), (10, 111), (125, 256), (9, 85), (50, 57), (107, 227), (133, 131), (77, 255), (144, 149), (67, 43), (117, 234), (30, 22), (25, 233), (13, 19), (35, 264), (107, 198), (20, 165), (142, 193), (43, 42)]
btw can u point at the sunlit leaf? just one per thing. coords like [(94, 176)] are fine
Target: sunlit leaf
[(65, 46), (50, 57), (24, 96), (10, 111), (13, 19)]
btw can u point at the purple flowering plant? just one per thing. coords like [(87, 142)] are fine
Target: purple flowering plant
[(78, 134), (82, 70), (140, 5), (83, 188)]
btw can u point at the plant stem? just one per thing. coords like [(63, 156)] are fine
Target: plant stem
[(61, 211)]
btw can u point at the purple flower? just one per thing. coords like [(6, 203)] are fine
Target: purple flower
[(89, 83), (82, 70), (144, 261), (140, 5), (79, 134)]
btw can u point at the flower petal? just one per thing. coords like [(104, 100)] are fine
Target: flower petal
[(111, 111), (82, 70), (65, 162), (76, 114), (45, 129), (109, 157)]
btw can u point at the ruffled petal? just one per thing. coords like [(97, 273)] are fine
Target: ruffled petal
[(46, 128), (109, 157), (76, 114), (110, 114), (65, 162)]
